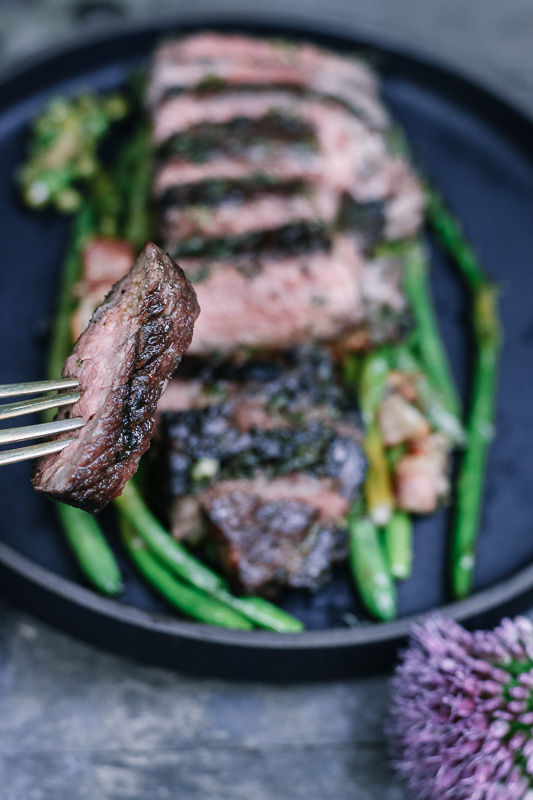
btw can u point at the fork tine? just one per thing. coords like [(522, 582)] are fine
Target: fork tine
[(34, 451), (18, 389), (27, 432), (40, 404)]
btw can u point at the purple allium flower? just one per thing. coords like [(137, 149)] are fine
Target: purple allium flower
[(460, 725)]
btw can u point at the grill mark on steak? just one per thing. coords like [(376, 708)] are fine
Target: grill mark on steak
[(279, 415), (233, 207), (134, 342), (221, 191), (241, 134), (236, 219), (293, 239), (178, 114), (211, 59), (351, 158)]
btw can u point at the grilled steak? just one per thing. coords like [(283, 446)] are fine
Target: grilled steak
[(267, 537), (134, 342), (273, 185), (245, 445), (328, 295)]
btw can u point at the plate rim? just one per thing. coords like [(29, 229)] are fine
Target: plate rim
[(481, 603)]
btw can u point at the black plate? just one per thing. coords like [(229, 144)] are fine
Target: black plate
[(476, 148)]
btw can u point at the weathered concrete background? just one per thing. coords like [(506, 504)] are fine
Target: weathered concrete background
[(79, 723)]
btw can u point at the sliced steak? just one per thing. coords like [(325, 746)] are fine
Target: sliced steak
[(273, 535), (357, 157), (279, 302), (329, 293), (239, 442), (208, 60), (240, 207), (134, 342), (273, 201)]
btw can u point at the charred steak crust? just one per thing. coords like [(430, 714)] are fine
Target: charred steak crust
[(261, 459), (134, 342), (265, 545)]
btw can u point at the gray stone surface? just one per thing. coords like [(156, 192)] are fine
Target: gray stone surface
[(79, 723)]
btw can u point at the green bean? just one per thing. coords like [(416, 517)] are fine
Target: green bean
[(471, 478), (170, 552), (369, 566), (106, 203), (488, 339), (398, 540), (262, 613), (90, 549), (190, 601), (435, 360), (176, 558)]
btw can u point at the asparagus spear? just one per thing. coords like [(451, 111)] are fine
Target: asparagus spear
[(471, 479), (378, 489), (61, 339), (488, 340), (138, 164), (428, 338), (369, 566), (452, 238)]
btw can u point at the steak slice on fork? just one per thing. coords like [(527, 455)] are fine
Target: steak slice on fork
[(134, 342)]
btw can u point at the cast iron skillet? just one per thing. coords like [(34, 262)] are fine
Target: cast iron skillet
[(476, 148)]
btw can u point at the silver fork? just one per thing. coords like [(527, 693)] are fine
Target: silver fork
[(41, 430)]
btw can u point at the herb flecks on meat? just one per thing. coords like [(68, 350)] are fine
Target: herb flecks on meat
[(276, 433), (205, 142)]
